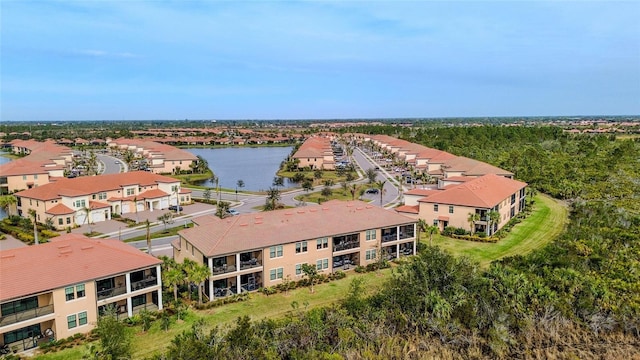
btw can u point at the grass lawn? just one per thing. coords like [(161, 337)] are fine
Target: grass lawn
[(545, 223), (258, 307), (169, 232)]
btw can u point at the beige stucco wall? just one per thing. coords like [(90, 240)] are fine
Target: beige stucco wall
[(64, 308)]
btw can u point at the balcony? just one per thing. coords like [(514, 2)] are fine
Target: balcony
[(25, 315), (143, 284), (389, 237), (106, 293), (250, 260), (225, 264), (407, 232), (347, 245)]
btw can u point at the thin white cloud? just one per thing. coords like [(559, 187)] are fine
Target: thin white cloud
[(105, 54)]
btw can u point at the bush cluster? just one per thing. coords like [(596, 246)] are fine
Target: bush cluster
[(290, 285), (223, 301)]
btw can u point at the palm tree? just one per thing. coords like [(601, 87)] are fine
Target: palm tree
[(34, 215), (7, 202), (239, 184), (148, 228), (197, 273), (472, 218), (433, 229), (422, 226), (353, 189), (202, 165), (173, 277), (273, 198), (371, 175), (494, 218), (221, 209), (87, 213), (380, 186)]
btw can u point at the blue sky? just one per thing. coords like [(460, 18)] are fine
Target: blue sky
[(101, 60)]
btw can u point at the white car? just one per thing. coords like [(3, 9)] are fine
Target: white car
[(233, 212)]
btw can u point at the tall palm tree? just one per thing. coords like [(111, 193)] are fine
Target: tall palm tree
[(239, 184), (371, 175), (7, 202), (494, 218), (433, 229), (148, 228), (34, 215), (380, 186), (197, 273), (472, 218), (422, 226), (87, 213), (173, 277)]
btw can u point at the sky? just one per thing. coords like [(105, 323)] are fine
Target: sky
[(147, 60)]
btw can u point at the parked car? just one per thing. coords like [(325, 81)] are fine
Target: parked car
[(233, 212), (372, 191), (175, 207)]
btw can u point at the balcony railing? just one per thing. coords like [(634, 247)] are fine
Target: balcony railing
[(389, 237), (223, 269), (110, 292), (406, 235), (250, 264), (25, 315), (142, 284), (346, 245)]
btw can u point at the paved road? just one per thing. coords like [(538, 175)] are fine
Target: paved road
[(111, 165)]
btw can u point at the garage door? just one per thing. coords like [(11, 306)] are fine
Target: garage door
[(97, 216), (164, 203), (80, 218), (140, 206), (125, 208)]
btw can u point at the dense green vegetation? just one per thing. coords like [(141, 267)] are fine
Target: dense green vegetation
[(577, 297)]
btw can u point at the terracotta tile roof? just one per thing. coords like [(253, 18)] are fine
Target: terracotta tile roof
[(60, 209), (152, 194), (42, 154), (66, 260), (421, 192), (87, 185), (443, 218), (481, 192), (472, 167), (314, 147), (255, 231), (408, 209), (168, 152), (97, 205)]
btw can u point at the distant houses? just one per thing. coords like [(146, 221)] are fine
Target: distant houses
[(161, 158), (462, 192), (90, 199), (315, 153)]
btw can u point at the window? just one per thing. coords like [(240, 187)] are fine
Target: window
[(79, 203), (71, 321), (298, 269), (322, 264), (69, 293), (102, 196), (435, 207), (80, 291), (93, 197), (435, 222), (60, 221), (275, 274), (139, 300), (35, 177), (131, 191), (322, 243), (275, 251), (24, 177), (68, 220), (301, 247), (174, 188), (82, 318), (370, 254), (371, 234), (450, 209)]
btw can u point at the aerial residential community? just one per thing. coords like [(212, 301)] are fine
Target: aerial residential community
[(302, 180)]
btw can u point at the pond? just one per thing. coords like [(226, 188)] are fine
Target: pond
[(256, 166)]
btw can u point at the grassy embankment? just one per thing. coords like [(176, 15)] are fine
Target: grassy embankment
[(259, 306), (545, 223)]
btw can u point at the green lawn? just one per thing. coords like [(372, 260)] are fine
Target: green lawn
[(545, 223), (258, 307)]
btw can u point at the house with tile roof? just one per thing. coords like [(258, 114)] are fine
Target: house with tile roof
[(315, 153), (44, 162), (453, 201), (249, 251), (90, 199), (58, 289), (162, 158)]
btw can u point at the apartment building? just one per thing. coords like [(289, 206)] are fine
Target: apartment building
[(90, 199), (315, 153), (250, 251), (455, 198), (162, 158), (43, 163), (55, 290)]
